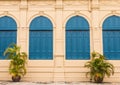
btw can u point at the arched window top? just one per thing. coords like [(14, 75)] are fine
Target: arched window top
[(7, 23), (111, 23), (77, 23), (41, 23)]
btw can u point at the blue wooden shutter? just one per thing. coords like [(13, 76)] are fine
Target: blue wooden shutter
[(77, 38), (8, 34), (41, 39), (111, 37)]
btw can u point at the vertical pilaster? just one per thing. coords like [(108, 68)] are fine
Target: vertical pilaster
[(59, 43), (97, 32), (23, 30)]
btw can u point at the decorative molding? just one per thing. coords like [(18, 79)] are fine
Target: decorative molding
[(60, 7), (23, 28), (23, 7), (75, 2), (6, 13), (58, 55), (10, 2), (41, 2), (113, 12), (109, 2), (41, 13), (89, 6), (77, 13), (95, 7), (23, 4)]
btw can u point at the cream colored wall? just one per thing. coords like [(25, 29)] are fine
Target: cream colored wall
[(58, 11)]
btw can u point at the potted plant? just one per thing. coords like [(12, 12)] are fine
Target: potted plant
[(18, 59), (99, 67)]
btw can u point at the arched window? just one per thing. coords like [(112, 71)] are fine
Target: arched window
[(77, 39), (41, 39), (8, 28), (111, 37)]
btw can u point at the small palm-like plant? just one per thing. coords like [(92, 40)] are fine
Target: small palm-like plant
[(99, 67), (17, 66)]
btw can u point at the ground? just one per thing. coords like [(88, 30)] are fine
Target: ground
[(55, 83)]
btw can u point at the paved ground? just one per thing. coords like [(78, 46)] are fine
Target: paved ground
[(56, 83)]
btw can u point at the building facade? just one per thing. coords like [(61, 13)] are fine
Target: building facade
[(59, 35)]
